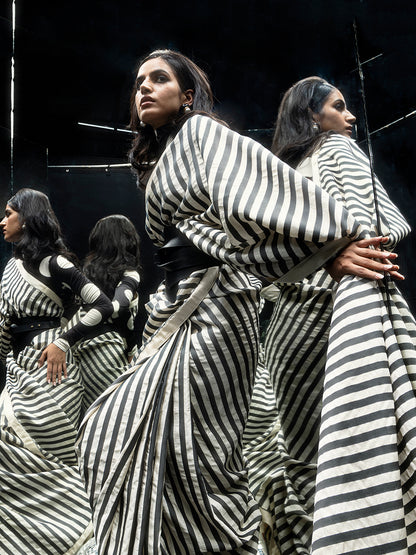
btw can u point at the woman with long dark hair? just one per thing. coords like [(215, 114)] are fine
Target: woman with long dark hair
[(43, 506), (113, 264), (161, 450), (336, 350)]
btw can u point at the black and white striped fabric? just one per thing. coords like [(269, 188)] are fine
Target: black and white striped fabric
[(106, 351), (43, 505), (365, 491), (364, 394), (261, 450), (110, 351), (295, 356), (161, 449)]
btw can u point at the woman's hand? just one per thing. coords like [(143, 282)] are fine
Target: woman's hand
[(56, 363), (359, 259)]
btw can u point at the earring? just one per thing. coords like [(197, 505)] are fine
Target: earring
[(315, 126), (23, 226), (186, 108), (142, 124)]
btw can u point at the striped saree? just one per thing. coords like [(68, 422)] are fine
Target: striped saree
[(161, 449), (345, 394), (43, 506)]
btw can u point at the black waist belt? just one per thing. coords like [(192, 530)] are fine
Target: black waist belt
[(178, 259), (25, 329)]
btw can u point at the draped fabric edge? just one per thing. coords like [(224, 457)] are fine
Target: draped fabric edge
[(86, 536), (266, 527), (37, 283), (32, 447), (182, 314), (315, 261)]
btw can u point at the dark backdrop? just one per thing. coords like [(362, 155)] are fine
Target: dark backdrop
[(75, 62)]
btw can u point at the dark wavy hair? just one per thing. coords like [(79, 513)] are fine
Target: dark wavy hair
[(295, 135), (114, 247), (41, 231), (147, 146)]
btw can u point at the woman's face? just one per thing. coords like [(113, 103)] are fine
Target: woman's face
[(334, 115), (11, 226), (159, 96)]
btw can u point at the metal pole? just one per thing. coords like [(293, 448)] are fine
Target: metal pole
[(386, 277), (12, 63)]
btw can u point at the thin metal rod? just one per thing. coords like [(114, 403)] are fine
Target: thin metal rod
[(410, 114), (386, 277), (12, 74), (367, 130), (91, 166), (367, 61), (107, 127)]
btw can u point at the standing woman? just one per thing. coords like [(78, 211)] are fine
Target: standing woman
[(113, 264), (43, 506), (161, 449), (336, 356)]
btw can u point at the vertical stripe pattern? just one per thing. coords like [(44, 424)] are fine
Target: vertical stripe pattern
[(107, 352), (365, 488), (172, 479), (161, 449)]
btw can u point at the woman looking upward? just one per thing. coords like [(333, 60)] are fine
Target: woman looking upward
[(332, 348), (171, 477)]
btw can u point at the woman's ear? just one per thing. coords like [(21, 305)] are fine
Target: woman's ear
[(314, 116), (189, 97)]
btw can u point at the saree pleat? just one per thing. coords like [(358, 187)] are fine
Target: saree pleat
[(282, 467)]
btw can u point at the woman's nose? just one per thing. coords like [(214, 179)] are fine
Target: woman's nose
[(145, 86), (350, 117)]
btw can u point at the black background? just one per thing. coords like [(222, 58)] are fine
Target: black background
[(75, 62)]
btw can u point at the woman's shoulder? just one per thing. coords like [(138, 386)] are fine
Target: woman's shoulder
[(11, 262), (339, 144), (200, 122), (343, 152), (57, 263), (200, 129), (9, 268), (133, 274), (335, 139)]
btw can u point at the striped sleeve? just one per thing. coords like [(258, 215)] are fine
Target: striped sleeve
[(100, 306), (344, 171), (241, 204)]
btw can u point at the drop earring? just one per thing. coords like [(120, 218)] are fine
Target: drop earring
[(142, 124), (186, 108), (315, 126)]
